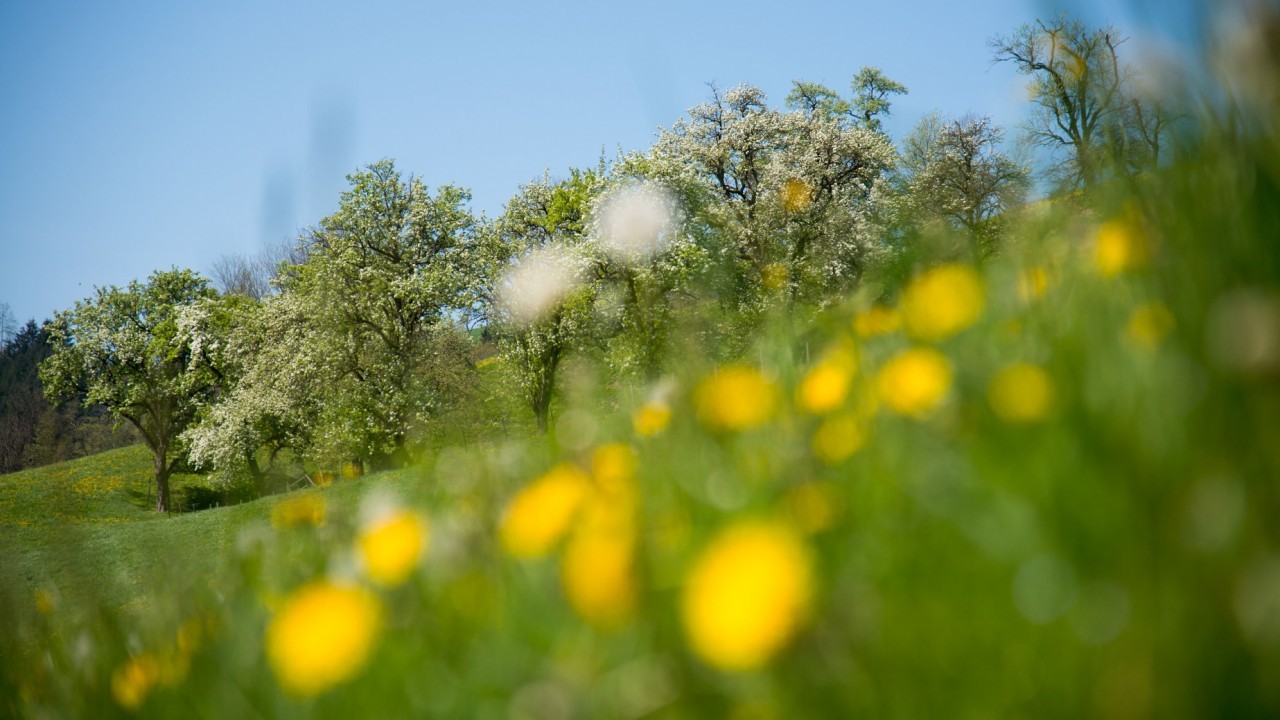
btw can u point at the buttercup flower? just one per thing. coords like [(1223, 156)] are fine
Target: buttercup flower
[(914, 382), (746, 595), (942, 302), (738, 397), (1021, 393), (322, 636), (651, 419), (540, 514), (391, 547)]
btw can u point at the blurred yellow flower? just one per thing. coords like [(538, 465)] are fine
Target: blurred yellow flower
[(322, 635), (133, 681), (1150, 324), (1032, 283), (746, 595), (796, 195), (774, 276), (825, 386), (540, 514), (941, 302), (814, 506), (651, 418), (303, 509), (914, 382), (598, 577), (877, 320), (738, 397), (1021, 393), (45, 601), (391, 547), (838, 437), (613, 467), (1117, 247)]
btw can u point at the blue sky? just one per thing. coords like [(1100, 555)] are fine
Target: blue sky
[(144, 135)]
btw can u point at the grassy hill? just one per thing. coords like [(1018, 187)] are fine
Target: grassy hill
[(85, 529)]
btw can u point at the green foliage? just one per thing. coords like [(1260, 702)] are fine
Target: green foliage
[(122, 349)]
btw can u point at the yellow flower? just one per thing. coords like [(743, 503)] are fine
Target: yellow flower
[(597, 575), (736, 398), (1150, 324), (540, 514), (304, 509), (838, 437), (814, 506), (1021, 393), (613, 467), (390, 548), (651, 418), (1117, 247), (746, 595), (133, 681), (825, 386), (322, 635), (914, 382), (942, 302), (1032, 283), (45, 601), (796, 195), (877, 320), (774, 276)]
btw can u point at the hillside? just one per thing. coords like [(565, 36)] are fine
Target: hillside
[(84, 530)]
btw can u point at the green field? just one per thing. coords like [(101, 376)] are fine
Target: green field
[(86, 529)]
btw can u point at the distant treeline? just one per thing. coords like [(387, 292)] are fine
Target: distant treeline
[(34, 432)]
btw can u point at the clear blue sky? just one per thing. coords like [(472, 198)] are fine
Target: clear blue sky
[(144, 135)]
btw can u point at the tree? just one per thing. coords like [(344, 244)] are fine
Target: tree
[(783, 194), (871, 91), (955, 170), (384, 275), (121, 349), (540, 303), (1082, 100)]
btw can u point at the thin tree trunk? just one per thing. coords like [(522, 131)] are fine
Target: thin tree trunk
[(162, 481)]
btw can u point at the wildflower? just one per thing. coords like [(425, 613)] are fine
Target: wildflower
[(737, 398), (133, 681), (837, 438), (322, 636), (540, 514), (746, 595), (774, 276), (598, 577), (651, 418), (942, 302), (1149, 325), (1032, 283), (45, 601), (390, 548), (814, 506), (826, 385), (877, 320), (1021, 393), (1117, 248), (303, 509), (914, 382), (796, 195), (613, 467)]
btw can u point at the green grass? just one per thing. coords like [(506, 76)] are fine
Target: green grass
[(87, 531)]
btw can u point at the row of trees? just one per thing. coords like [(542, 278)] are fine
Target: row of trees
[(348, 345)]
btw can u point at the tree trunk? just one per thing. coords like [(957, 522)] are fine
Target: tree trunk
[(162, 482)]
